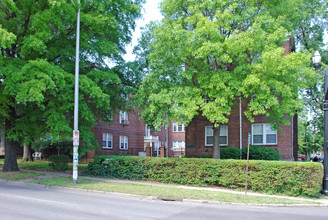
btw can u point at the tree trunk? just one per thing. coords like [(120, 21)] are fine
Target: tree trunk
[(10, 164), (216, 142), (27, 155)]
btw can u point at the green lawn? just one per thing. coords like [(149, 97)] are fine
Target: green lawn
[(14, 176), (40, 165), (167, 191)]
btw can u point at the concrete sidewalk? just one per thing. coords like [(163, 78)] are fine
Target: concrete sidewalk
[(45, 174)]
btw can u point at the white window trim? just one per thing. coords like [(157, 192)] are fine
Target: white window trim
[(108, 138), (125, 141), (123, 116), (178, 147), (175, 124), (220, 136), (264, 135)]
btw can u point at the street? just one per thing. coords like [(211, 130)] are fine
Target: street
[(28, 202)]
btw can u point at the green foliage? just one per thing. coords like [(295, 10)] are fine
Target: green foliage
[(37, 42), (261, 153), (58, 162), (49, 148), (230, 153), (289, 178), (223, 50)]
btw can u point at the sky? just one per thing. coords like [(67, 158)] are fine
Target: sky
[(151, 12)]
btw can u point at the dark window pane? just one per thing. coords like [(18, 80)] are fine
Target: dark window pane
[(223, 140), (257, 139), (209, 140), (271, 139)]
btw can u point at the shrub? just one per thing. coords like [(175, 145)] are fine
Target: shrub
[(261, 153), (290, 178), (230, 153), (58, 162), (47, 148)]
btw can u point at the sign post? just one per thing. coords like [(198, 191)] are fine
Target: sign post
[(249, 142)]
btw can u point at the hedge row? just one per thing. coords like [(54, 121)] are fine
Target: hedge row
[(58, 162), (289, 178), (255, 153)]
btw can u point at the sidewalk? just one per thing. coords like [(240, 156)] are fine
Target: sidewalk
[(324, 201)]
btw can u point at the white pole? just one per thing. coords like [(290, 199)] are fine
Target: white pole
[(76, 100)]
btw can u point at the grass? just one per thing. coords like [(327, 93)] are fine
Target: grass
[(41, 165), (20, 175), (167, 191)]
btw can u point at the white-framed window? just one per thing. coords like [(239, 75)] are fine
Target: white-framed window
[(107, 140), (178, 146), (147, 130), (223, 135), (124, 118), (124, 142), (263, 134), (178, 127)]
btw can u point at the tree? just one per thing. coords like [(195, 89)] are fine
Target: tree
[(37, 67), (220, 51)]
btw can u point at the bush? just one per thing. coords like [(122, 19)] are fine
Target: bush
[(261, 153), (47, 148), (58, 162), (290, 178), (230, 153)]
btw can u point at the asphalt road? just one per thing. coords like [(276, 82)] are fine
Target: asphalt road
[(28, 202)]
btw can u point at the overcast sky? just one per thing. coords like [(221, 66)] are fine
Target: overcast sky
[(150, 13)]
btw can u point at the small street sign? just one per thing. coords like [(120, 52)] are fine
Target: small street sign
[(249, 138), (75, 158)]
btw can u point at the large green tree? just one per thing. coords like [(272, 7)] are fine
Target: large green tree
[(220, 51), (310, 26), (37, 67)]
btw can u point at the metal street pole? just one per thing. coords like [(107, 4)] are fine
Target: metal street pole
[(76, 100), (325, 149), (316, 60)]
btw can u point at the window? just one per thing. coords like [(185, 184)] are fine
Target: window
[(124, 142), (107, 140), (263, 134), (223, 135), (147, 130), (178, 127), (124, 118), (178, 146)]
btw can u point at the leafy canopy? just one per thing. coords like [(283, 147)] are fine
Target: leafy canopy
[(37, 39), (219, 51)]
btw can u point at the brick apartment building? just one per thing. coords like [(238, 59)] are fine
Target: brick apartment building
[(199, 135), (128, 133)]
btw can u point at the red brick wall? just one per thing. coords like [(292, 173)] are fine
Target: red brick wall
[(135, 132), (195, 135), (175, 136)]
